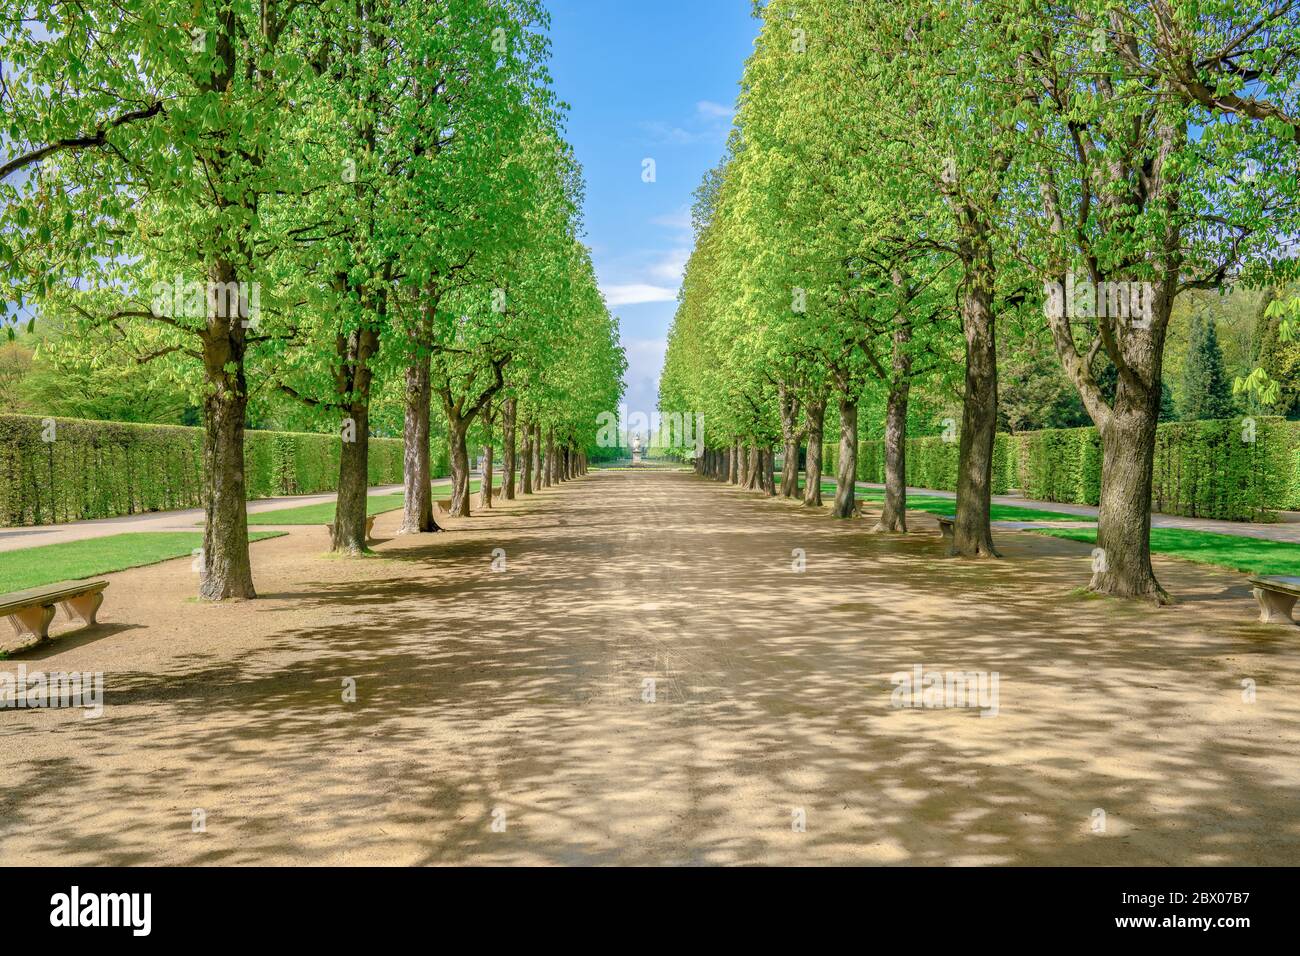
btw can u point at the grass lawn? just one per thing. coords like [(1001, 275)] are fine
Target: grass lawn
[(946, 506), (323, 513), (1252, 555), (933, 504), (73, 560)]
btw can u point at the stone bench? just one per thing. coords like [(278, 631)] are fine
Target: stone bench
[(370, 526), (31, 611), (1276, 595), (946, 524)]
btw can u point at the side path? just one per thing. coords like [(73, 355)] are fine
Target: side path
[(29, 536), (1282, 531)]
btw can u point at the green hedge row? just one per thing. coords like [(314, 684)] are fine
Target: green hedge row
[(96, 469), (932, 462), (1202, 469)]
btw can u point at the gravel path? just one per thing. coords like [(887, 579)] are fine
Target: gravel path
[(523, 699)]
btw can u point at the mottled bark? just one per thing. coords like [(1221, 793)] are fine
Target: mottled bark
[(894, 515), (815, 415), (508, 464), (485, 484), (539, 478), (972, 531), (226, 569), (354, 485), (352, 381), (549, 468), (456, 440), (528, 459), (417, 504), (753, 468), (485, 480), (791, 435), (847, 466)]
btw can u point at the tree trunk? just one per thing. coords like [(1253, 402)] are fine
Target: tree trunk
[(508, 450), (1122, 561), (894, 515), (548, 465), (790, 469), (538, 478), (528, 458), (847, 467), (972, 532), (485, 484), (733, 464), (227, 571), (816, 419), (354, 483), (768, 458), (353, 377), (417, 504), (788, 404), (456, 432)]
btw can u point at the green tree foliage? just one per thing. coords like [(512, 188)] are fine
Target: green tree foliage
[(1206, 392), (953, 186), (284, 212)]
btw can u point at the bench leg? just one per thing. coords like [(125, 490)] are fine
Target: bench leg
[(33, 621), (946, 531), (85, 607), (1275, 608)]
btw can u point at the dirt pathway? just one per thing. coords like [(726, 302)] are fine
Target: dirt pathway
[(520, 696)]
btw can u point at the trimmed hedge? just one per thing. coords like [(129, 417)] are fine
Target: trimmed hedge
[(932, 462), (99, 469), (1202, 469)]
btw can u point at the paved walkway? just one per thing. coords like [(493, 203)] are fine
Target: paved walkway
[(1287, 529), (652, 679)]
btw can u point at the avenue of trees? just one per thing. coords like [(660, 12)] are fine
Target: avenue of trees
[(339, 207), (914, 193)]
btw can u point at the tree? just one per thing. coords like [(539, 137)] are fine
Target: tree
[(1206, 392), (1142, 197)]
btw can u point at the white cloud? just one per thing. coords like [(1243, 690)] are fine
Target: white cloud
[(678, 219), (714, 110), (709, 122), (636, 293), (662, 132), (671, 266), (645, 360)]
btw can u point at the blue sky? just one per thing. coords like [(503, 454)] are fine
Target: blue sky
[(646, 80)]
